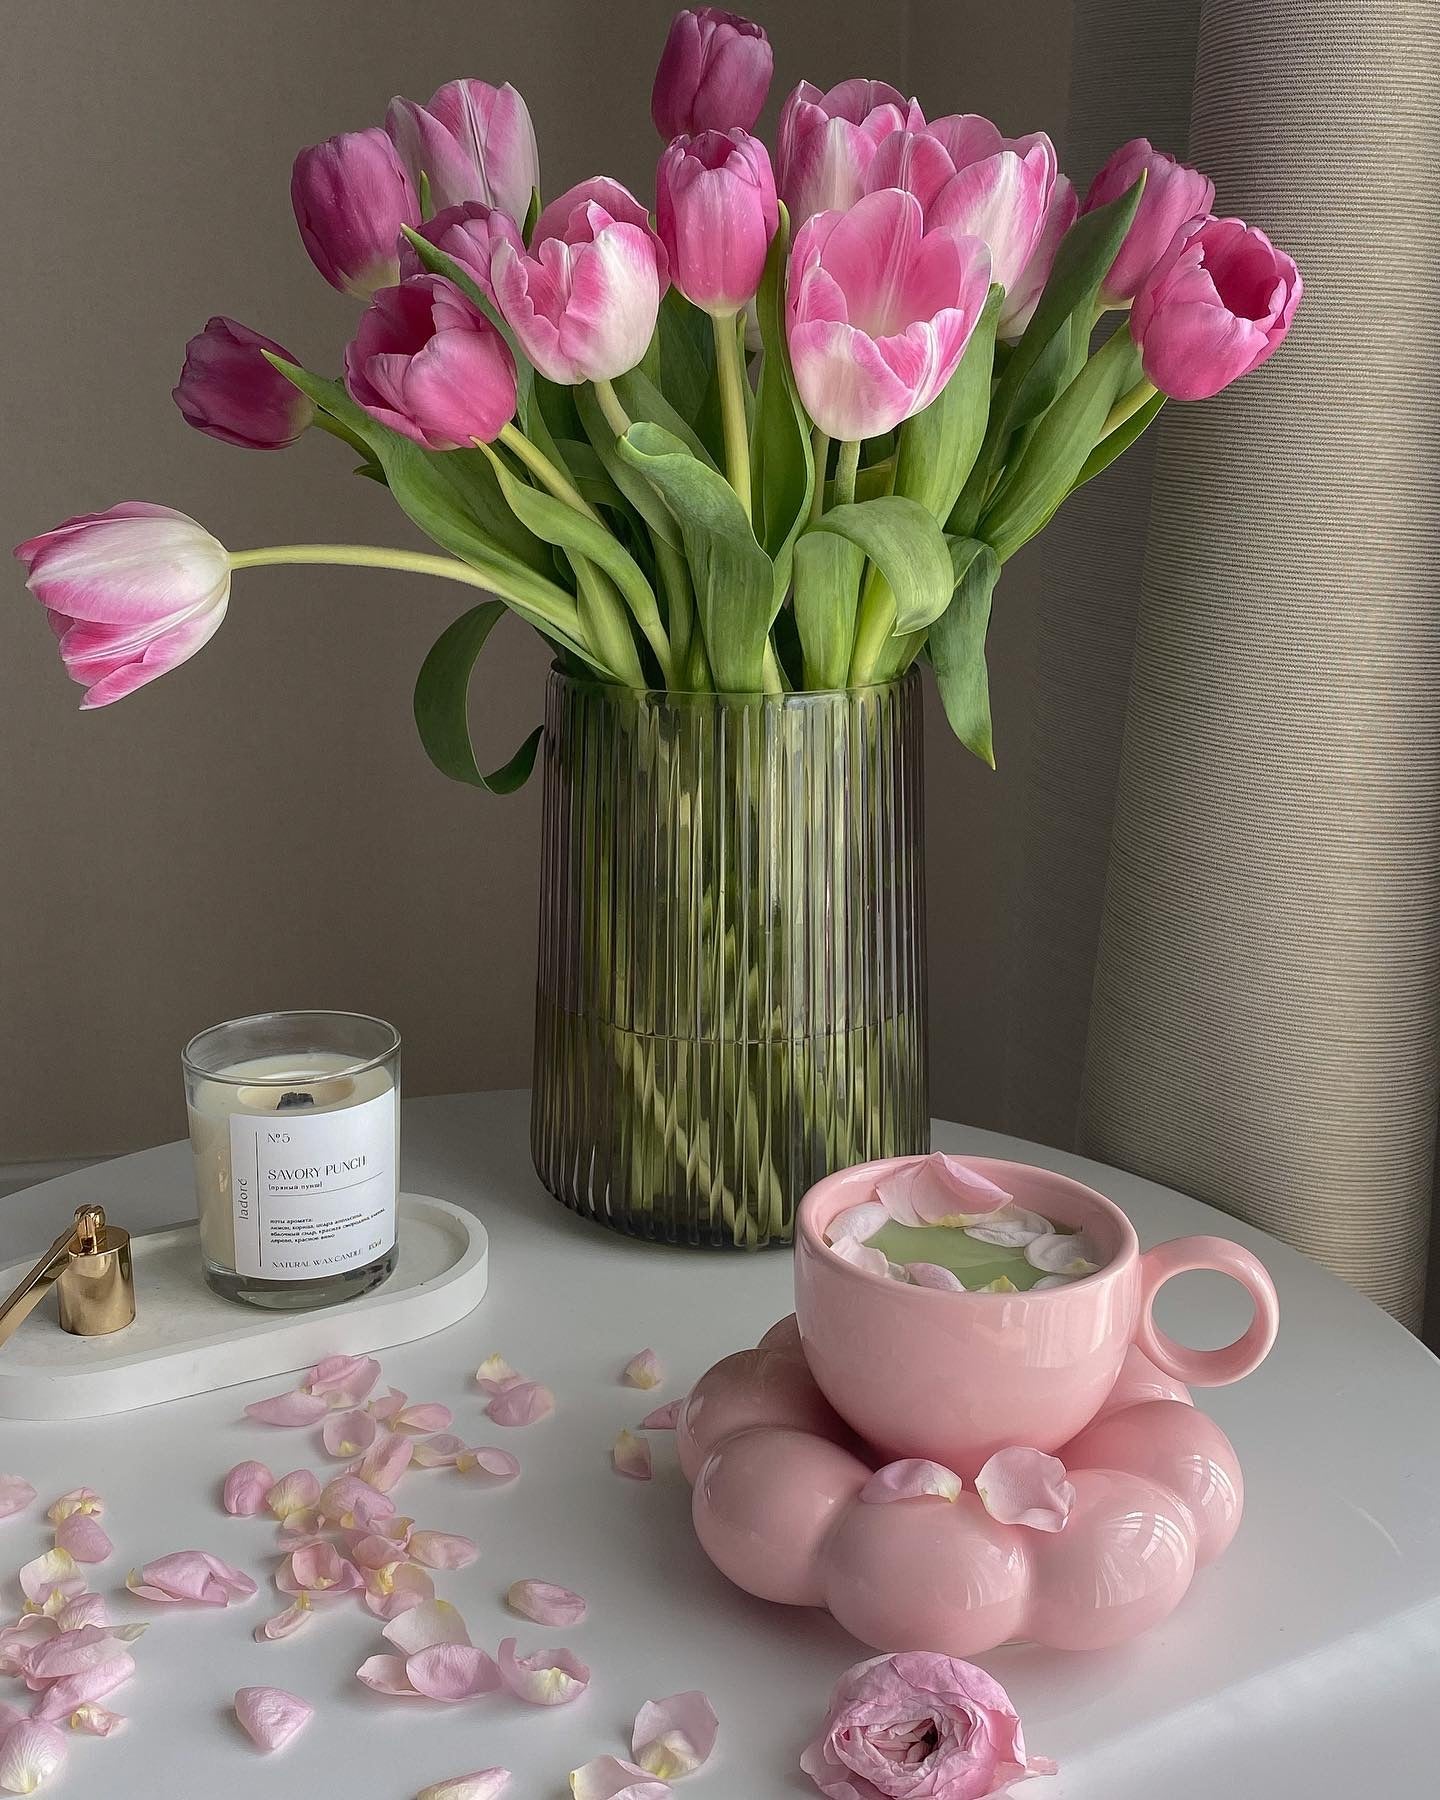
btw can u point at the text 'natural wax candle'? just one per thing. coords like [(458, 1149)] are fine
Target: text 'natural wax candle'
[(294, 1124)]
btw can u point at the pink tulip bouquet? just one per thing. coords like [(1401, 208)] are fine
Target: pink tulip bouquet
[(779, 430)]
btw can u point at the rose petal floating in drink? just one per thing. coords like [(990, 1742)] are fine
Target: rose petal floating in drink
[(1063, 1253)]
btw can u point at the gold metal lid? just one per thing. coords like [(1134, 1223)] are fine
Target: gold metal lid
[(90, 1265)]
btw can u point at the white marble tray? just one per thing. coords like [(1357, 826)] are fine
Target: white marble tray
[(186, 1340)]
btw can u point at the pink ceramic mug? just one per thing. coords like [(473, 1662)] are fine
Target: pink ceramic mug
[(928, 1372)]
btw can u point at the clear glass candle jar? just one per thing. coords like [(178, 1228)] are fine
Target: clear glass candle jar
[(295, 1128)]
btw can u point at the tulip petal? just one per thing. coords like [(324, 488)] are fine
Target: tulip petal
[(643, 1370), (30, 1753), (545, 1604), (664, 1418), (452, 1672), (245, 1489), (608, 1778), (484, 1784), (913, 1478), (294, 1408), (84, 1537), (348, 1433), (422, 1627), (285, 1624), (15, 1495), (442, 1550), (526, 1403), (931, 1275), (1063, 1253), (495, 1375), (271, 1716), (545, 1678), (1021, 1486), (630, 1455), (675, 1736)]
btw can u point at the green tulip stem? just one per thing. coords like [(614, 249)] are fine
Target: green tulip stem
[(847, 467), (820, 450), (616, 416), (367, 556), (730, 370), (1126, 407), (544, 471)]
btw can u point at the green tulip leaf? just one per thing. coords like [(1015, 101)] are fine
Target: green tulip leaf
[(826, 571), (628, 480), (686, 354), (956, 647), (783, 472), (1120, 439), (646, 405), (938, 446), (906, 545), (442, 692)]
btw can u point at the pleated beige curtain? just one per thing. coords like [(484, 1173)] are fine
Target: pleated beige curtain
[(1253, 983)]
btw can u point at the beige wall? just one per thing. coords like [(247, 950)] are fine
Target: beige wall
[(261, 829)]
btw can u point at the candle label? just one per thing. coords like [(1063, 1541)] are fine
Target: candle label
[(313, 1193)]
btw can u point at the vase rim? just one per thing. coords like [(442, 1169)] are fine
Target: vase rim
[(678, 696)]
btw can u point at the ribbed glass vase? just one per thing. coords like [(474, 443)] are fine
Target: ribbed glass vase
[(731, 989)]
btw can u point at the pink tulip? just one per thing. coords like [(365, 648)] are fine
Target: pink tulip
[(1173, 194), (468, 234), (471, 141), (717, 212), (1216, 305), (351, 196), (583, 301), (228, 390), (879, 311), (427, 362), (558, 219), (714, 74), (828, 142), (1004, 199), (131, 593), (1023, 296)]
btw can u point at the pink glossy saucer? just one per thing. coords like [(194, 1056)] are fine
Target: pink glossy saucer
[(777, 1476)]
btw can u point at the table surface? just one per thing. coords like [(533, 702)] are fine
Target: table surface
[(1303, 1664)]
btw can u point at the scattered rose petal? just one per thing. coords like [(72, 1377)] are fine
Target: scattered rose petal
[(674, 1737), (1063, 1253), (932, 1275), (1020, 1486), (495, 1375), (10, 1715), (913, 1478), (245, 1489), (15, 1495), (294, 1500), (285, 1624), (56, 1574), (452, 1672), (630, 1455), (545, 1604), (436, 1622), (396, 1588), (30, 1753), (270, 1716), (442, 1550), (1012, 1227), (319, 1571), (387, 1405), (190, 1575), (348, 1433), (62, 1697), (97, 1721), (939, 1190), (523, 1403), (545, 1678), (342, 1381), (294, 1408), (643, 1371), (423, 1416), (437, 1452), (607, 1778), (84, 1537), (91, 1609), (484, 1784), (353, 1504), (385, 1461), (66, 1653), (386, 1675), (78, 1500), (664, 1418), (487, 1462)]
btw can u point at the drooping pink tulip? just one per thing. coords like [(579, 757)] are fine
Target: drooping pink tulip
[(828, 141), (1173, 194), (583, 301), (427, 362), (717, 212), (468, 234), (471, 141), (879, 311), (229, 391), (131, 592), (1004, 199), (1218, 303), (714, 73), (351, 195)]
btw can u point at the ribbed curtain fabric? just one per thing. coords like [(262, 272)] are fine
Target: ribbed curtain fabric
[(1267, 994)]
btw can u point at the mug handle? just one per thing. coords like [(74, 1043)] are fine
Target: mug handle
[(1207, 1368)]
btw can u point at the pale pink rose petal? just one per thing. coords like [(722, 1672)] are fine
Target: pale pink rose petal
[(385, 1461), (67, 1653), (398, 1589), (97, 1721), (297, 1492), (19, 1639), (56, 1573), (436, 1622), (342, 1381), (190, 1575), (932, 1275), (630, 1455), (608, 1778), (1011, 1227), (525, 1403), (452, 1672), (387, 1406), (78, 1500), (348, 1433), (495, 1375), (353, 1504), (675, 1736), (10, 1715), (62, 1697), (491, 1465), (939, 1190), (664, 1418), (318, 1570), (442, 1550), (484, 1784), (386, 1675), (1051, 1281), (15, 1495), (859, 1222), (382, 1546), (861, 1256), (643, 1370), (270, 1716), (30, 1753), (545, 1604), (545, 1678), (1021, 1486), (84, 1537), (89, 1609), (913, 1478), (437, 1452), (245, 1489), (423, 1416), (294, 1408), (1063, 1253), (285, 1624)]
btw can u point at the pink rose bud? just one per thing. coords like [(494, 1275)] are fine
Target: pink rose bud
[(427, 362), (351, 196), (131, 593), (828, 142), (714, 74), (1173, 194), (471, 141), (468, 234), (1216, 305), (717, 212), (879, 311), (583, 300), (228, 390)]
